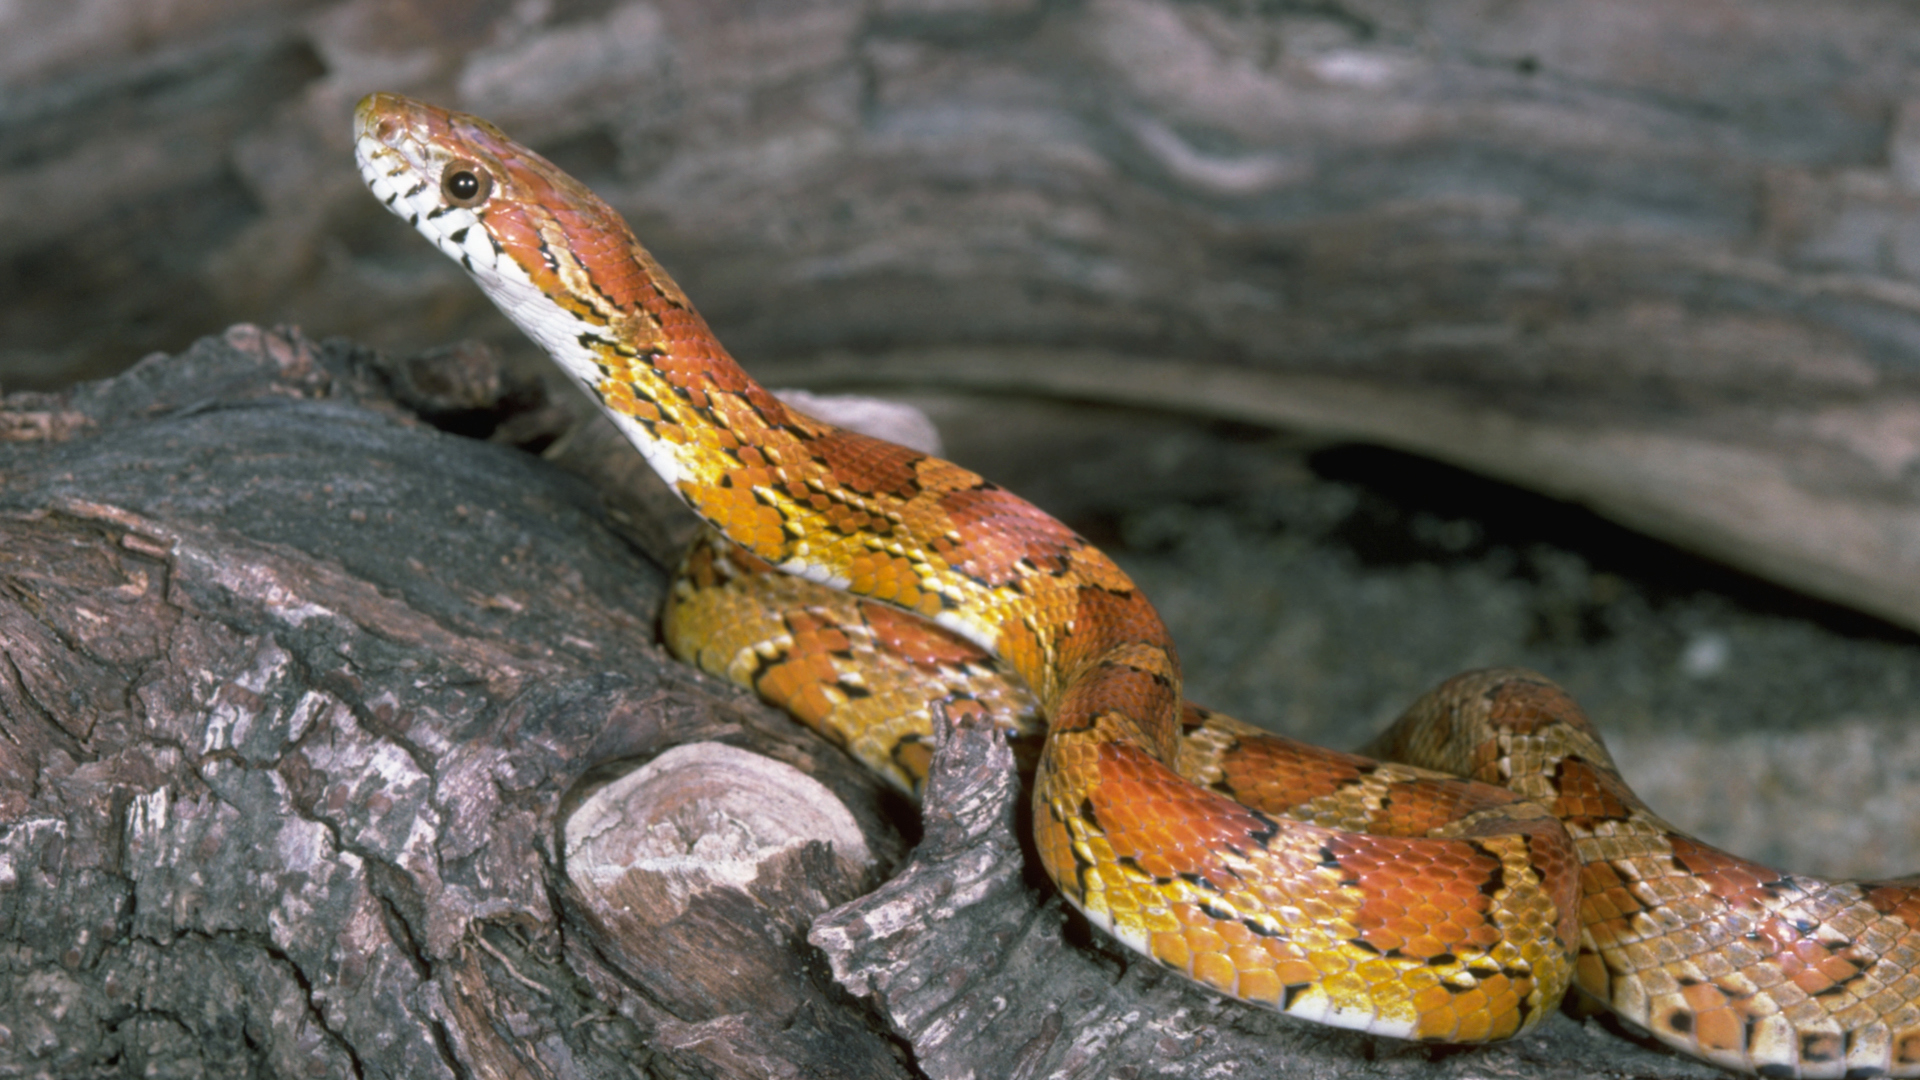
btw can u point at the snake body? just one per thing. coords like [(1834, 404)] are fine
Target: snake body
[(861, 583)]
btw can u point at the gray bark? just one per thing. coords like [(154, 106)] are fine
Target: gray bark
[(293, 690), (1657, 257), (319, 731)]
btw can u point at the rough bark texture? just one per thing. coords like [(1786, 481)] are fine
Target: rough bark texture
[(299, 697), (1657, 256), (293, 692), (298, 692)]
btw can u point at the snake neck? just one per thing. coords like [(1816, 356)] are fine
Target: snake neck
[(890, 524), (856, 513)]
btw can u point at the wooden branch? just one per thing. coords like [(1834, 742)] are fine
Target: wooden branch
[(294, 691), (332, 744)]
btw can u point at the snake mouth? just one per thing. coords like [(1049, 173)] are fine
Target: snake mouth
[(378, 135)]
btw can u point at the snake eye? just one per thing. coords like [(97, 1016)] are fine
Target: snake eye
[(465, 183)]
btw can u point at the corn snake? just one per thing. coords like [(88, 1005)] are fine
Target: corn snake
[(1336, 888)]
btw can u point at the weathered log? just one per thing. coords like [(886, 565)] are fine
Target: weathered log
[(294, 690), (320, 738)]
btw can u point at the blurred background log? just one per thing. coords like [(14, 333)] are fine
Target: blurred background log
[(1659, 257)]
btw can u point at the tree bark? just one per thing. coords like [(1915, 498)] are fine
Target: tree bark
[(299, 693), (334, 744), (294, 691)]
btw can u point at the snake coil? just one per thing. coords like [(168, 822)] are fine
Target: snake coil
[(1452, 899)]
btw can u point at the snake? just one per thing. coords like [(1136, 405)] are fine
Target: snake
[(1449, 884)]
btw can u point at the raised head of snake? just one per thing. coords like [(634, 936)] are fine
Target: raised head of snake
[(1460, 931)]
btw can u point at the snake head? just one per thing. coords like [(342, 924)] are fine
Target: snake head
[(555, 258), (557, 261), (439, 170)]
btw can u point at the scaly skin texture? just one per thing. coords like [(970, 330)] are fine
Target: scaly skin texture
[(1720, 958), (1330, 886)]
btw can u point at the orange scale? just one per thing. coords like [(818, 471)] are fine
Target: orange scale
[(782, 680), (1407, 928), (1606, 931), (813, 705), (1233, 933), (1216, 971), (1118, 812), (1383, 939), (1266, 897), (1113, 877), (1475, 1026), (1596, 877), (816, 643), (1720, 1029), (1157, 865), (1188, 914), (861, 578), (1786, 963), (1378, 972), (1469, 923), (1202, 939), (1839, 968), (1347, 986), (1455, 879), (1156, 917), (1261, 986), (1483, 936), (1330, 963), (1603, 906), (904, 589), (1378, 912), (1590, 971), (1390, 888), (1253, 956), (1277, 950), (1454, 886), (1171, 949), (1810, 951), (1184, 836), (1374, 877), (1295, 972), (1433, 999), (1368, 860), (1701, 997), (1812, 980), (1467, 1002)]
